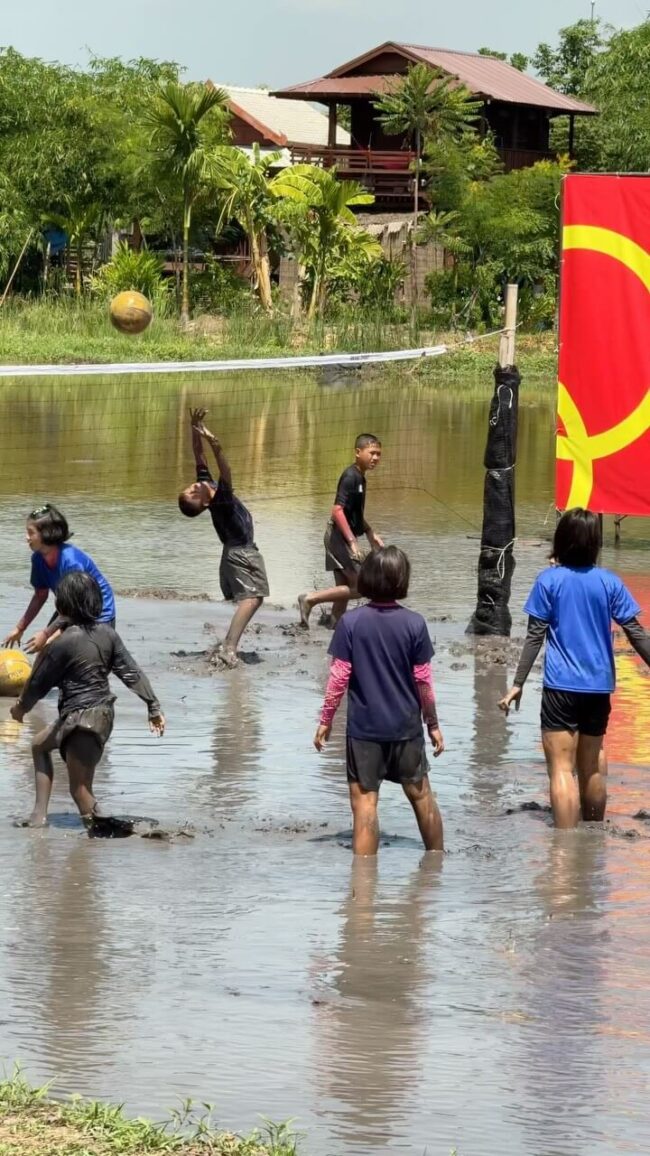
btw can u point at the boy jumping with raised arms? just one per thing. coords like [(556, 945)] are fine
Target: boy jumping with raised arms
[(242, 574), (346, 525)]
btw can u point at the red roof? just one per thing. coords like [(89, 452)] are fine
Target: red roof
[(484, 76)]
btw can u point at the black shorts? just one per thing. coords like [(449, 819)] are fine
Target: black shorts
[(369, 763), (242, 574), (337, 553), (571, 710)]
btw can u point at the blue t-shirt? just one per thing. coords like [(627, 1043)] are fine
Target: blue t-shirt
[(69, 558), (383, 642), (579, 605)]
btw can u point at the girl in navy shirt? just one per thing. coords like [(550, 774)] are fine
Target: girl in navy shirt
[(382, 656), (572, 606), (53, 556)]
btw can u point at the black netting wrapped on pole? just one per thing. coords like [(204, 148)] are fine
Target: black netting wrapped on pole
[(496, 560)]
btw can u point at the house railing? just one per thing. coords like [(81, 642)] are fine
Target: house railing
[(354, 160)]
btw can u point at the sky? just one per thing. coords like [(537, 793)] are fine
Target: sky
[(281, 42)]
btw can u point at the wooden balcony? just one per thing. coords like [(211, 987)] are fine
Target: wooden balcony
[(386, 174)]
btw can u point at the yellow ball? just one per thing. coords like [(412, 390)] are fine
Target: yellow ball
[(131, 312), (14, 672)]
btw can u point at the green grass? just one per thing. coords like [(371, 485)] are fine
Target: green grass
[(64, 331), (33, 1124)]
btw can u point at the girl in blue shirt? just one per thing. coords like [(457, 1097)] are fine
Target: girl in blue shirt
[(52, 557), (571, 607)]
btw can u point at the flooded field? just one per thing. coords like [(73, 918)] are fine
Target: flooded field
[(495, 1002)]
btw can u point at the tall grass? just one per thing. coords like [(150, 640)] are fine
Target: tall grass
[(64, 331)]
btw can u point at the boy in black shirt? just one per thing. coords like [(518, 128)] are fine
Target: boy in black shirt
[(242, 574), (346, 525)]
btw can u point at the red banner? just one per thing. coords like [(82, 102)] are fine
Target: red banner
[(603, 444)]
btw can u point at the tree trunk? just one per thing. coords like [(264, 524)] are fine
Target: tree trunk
[(313, 301), (414, 244), (78, 277), (185, 291), (262, 266)]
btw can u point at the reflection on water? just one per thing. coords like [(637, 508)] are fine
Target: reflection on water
[(497, 1002)]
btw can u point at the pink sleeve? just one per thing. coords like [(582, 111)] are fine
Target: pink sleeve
[(423, 676), (337, 684)]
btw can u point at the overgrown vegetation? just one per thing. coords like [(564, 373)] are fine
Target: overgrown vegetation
[(32, 1124), (127, 149)]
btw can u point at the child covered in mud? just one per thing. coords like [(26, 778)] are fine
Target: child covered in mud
[(79, 663), (571, 608), (381, 655), (347, 524), (54, 556), (242, 573)]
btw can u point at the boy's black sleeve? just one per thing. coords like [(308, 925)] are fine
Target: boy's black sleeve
[(203, 474), (47, 673), (345, 489), (534, 638), (128, 671)]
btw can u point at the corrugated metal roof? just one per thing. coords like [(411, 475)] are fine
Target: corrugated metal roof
[(297, 123), (483, 75), (487, 76)]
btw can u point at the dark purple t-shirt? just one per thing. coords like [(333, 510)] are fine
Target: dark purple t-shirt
[(383, 642)]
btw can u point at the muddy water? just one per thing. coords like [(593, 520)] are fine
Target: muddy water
[(497, 1001)]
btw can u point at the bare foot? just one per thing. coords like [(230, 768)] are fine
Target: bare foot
[(305, 610), (36, 819), (224, 656)]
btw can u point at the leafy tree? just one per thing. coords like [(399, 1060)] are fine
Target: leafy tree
[(248, 200), (617, 82), (518, 60), (81, 221), (186, 121), (324, 227), (565, 68)]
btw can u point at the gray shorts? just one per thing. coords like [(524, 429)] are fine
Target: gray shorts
[(337, 552), (242, 574), (95, 720), (371, 763)]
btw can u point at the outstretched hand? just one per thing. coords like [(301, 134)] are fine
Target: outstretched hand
[(157, 725), (513, 696), (198, 424)]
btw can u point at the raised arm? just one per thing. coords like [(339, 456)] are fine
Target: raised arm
[(44, 677), (200, 430), (196, 419), (128, 671)]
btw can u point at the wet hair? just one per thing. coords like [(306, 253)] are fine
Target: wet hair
[(384, 575), (191, 507), (51, 525), (577, 538), (78, 598), (365, 440)]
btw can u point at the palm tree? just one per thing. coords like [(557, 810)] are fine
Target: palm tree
[(425, 104), (245, 181), (181, 140), (326, 212)]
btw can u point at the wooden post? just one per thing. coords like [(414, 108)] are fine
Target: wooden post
[(331, 130), (507, 342), (572, 125), (15, 268)]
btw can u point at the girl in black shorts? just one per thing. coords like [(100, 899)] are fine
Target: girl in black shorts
[(79, 663), (572, 606)]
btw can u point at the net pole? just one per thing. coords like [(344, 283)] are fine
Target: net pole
[(496, 562)]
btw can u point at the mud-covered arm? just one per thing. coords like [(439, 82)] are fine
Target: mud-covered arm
[(128, 671), (45, 676), (535, 636), (638, 638)]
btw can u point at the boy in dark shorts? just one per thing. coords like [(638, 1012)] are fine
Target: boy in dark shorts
[(79, 663), (572, 606), (347, 524), (242, 574), (382, 656)]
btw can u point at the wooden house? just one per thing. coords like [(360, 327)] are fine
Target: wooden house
[(516, 108)]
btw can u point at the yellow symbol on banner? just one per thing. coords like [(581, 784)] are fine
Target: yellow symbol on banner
[(577, 445)]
